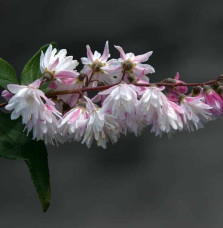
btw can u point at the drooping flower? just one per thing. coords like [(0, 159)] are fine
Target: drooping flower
[(129, 65), (56, 66), (121, 101), (196, 112), (101, 126), (46, 126), (93, 66), (154, 108), (74, 123), (213, 99), (37, 111)]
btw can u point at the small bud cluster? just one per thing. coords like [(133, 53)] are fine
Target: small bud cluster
[(125, 102)]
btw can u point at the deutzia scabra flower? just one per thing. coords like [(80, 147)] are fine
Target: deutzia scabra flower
[(45, 128), (173, 93), (129, 65), (56, 66), (154, 108), (36, 110), (196, 112), (213, 99), (121, 101), (74, 123), (101, 126), (93, 65)]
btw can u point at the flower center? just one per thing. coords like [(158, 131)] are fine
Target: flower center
[(48, 75), (96, 66), (128, 65)]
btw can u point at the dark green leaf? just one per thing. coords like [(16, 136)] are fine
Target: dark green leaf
[(31, 71), (7, 74), (14, 144)]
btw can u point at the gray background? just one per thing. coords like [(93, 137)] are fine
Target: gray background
[(140, 182)]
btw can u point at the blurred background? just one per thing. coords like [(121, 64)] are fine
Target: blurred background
[(139, 182)]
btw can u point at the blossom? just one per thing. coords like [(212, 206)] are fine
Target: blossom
[(57, 66), (196, 112), (36, 110), (94, 63), (45, 128), (154, 108), (101, 126), (129, 65), (74, 123), (213, 99), (173, 92), (121, 101)]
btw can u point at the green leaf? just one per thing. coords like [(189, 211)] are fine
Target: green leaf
[(7, 74), (14, 144), (31, 71)]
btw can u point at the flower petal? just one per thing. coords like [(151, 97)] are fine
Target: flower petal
[(90, 54), (105, 54), (142, 58), (122, 53)]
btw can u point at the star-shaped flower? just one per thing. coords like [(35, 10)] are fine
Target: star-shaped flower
[(129, 66), (93, 65)]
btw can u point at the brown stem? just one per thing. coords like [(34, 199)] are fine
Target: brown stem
[(3, 105), (99, 88)]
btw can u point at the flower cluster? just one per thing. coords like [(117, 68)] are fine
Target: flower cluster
[(126, 101)]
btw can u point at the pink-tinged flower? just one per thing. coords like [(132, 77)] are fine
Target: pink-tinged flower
[(7, 95), (93, 65), (74, 123), (154, 108), (181, 89), (101, 126), (130, 65), (36, 110), (57, 66), (121, 101), (214, 100), (173, 93), (196, 112)]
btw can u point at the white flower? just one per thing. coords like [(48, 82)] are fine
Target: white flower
[(57, 66), (196, 112), (129, 65), (45, 128), (101, 126), (93, 65), (121, 101), (154, 108), (36, 110), (74, 123)]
